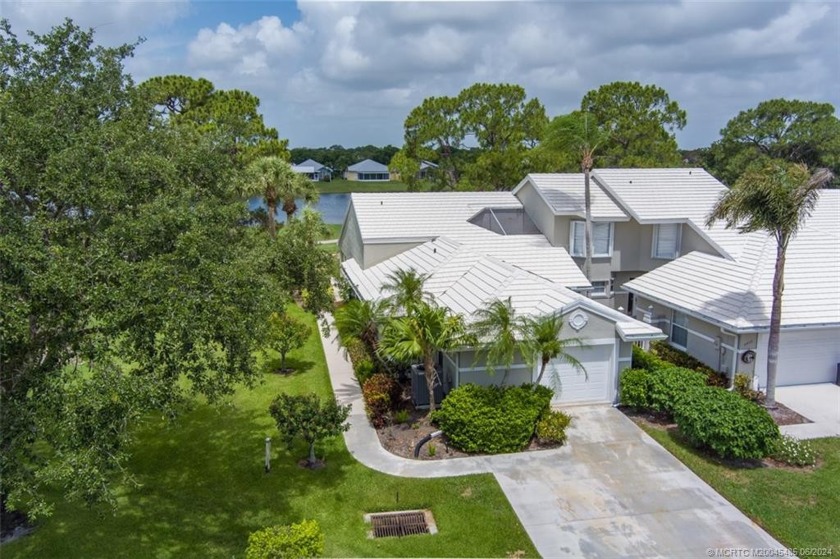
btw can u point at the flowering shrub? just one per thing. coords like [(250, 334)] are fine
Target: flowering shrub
[(794, 452)]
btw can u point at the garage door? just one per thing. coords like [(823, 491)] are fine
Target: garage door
[(572, 386), (808, 357)]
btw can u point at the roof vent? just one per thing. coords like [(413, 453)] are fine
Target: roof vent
[(631, 181), (689, 172), (380, 202), (434, 250)]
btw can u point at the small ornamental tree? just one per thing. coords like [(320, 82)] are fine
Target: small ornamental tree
[(285, 334), (303, 416)]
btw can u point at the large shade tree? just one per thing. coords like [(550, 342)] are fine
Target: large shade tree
[(123, 268), (775, 197), (641, 121), (804, 132)]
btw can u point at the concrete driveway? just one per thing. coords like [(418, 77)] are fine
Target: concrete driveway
[(614, 492), (818, 402)]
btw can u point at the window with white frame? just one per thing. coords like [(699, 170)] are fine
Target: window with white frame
[(666, 241), (602, 239), (600, 289), (679, 330)]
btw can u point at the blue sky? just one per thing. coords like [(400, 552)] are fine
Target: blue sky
[(348, 73)]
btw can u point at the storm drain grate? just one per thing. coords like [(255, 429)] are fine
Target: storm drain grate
[(403, 523)]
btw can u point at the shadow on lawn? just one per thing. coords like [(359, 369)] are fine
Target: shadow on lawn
[(708, 456), (203, 488), (293, 366)]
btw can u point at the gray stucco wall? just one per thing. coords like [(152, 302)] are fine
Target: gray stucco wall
[(350, 241), (374, 253), (537, 210), (691, 241)]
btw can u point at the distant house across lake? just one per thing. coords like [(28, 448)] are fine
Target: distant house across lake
[(367, 170), (313, 170)]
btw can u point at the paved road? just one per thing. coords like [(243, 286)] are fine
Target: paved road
[(612, 491)]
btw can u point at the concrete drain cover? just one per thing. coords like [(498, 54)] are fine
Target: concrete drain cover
[(401, 523)]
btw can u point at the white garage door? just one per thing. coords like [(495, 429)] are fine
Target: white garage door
[(808, 357), (572, 386)]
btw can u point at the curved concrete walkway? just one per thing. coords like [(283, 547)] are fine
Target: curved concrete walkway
[(612, 491)]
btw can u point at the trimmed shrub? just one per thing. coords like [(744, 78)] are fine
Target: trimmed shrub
[(295, 541), (667, 385), (645, 359), (727, 424), (742, 384), (634, 388), (379, 392), (794, 452), (363, 364), (551, 429), (492, 419), (364, 370)]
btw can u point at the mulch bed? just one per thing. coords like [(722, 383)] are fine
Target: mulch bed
[(400, 438), (783, 415)]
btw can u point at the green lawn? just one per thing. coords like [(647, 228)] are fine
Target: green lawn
[(334, 230), (798, 507), (203, 491), (342, 186)]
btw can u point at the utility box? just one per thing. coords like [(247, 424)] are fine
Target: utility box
[(419, 389)]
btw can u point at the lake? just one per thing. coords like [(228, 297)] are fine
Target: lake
[(332, 207)]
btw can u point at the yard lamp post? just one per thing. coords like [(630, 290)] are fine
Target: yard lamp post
[(267, 454)]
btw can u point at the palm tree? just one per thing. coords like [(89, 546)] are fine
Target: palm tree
[(274, 180), (543, 342), (578, 132), (775, 197), (361, 319), (405, 291), (420, 335), (497, 331)]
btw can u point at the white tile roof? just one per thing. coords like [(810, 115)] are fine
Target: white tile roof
[(738, 293), (422, 216), (464, 280), (564, 193)]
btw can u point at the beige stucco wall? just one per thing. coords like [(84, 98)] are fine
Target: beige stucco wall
[(351, 175), (538, 211), (374, 253)]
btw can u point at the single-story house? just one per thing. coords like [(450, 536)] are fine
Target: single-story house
[(426, 169), (476, 247), (313, 170), (367, 170)]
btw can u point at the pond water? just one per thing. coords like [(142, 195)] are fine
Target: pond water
[(332, 207)]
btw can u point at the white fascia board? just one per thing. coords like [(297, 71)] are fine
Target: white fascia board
[(397, 240)]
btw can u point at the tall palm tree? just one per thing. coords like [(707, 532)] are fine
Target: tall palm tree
[(775, 197), (274, 180), (579, 133), (543, 342), (498, 334), (420, 335), (405, 290)]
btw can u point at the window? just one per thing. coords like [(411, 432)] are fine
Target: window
[(600, 288), (602, 239), (679, 330), (666, 241)]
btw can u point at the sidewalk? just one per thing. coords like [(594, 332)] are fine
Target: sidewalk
[(362, 440)]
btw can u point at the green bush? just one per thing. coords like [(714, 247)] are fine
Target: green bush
[(667, 385), (492, 419), (742, 383), (794, 452), (364, 370), (551, 429), (634, 388), (645, 359), (379, 392), (296, 541), (360, 357), (401, 416), (727, 424)]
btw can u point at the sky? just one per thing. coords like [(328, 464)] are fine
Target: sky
[(349, 73)]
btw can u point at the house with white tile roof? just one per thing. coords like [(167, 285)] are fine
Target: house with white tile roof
[(707, 288), (313, 170), (476, 247)]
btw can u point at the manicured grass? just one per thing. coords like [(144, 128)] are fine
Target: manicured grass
[(334, 230), (342, 186), (797, 507), (203, 491)]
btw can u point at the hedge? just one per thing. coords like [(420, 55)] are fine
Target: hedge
[(492, 419), (634, 388), (296, 541), (659, 389), (726, 423)]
